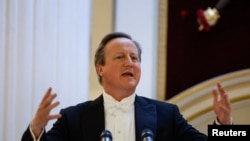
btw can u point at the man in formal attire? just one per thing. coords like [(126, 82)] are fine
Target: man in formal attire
[(119, 109)]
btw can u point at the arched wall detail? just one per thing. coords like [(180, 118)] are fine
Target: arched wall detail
[(196, 102)]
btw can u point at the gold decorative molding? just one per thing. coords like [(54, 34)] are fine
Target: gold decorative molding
[(197, 100), (210, 108), (196, 103), (162, 50), (209, 83)]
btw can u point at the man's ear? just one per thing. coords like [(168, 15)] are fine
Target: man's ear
[(99, 69)]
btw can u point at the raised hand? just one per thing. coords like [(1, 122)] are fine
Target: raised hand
[(43, 115), (222, 105)]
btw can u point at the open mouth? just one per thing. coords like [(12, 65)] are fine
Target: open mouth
[(128, 74)]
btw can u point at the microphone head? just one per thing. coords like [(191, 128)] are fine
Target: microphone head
[(147, 133), (106, 134)]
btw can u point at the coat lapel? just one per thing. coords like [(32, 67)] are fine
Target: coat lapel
[(94, 111), (145, 116)]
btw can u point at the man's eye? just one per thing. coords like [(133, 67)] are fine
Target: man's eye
[(119, 57), (134, 58)]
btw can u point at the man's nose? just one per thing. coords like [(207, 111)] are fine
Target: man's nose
[(128, 61)]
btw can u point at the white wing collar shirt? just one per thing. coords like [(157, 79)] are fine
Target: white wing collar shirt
[(120, 117)]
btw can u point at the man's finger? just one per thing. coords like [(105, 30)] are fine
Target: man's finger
[(47, 94)]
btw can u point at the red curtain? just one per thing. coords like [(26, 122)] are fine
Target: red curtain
[(194, 56)]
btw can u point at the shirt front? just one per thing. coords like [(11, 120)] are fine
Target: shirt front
[(119, 117)]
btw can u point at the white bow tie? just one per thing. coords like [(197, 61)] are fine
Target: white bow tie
[(113, 106)]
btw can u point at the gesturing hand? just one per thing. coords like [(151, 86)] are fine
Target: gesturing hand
[(43, 115), (222, 105)]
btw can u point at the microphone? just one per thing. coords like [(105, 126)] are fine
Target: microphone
[(147, 135), (106, 136)]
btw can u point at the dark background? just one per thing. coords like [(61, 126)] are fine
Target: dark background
[(194, 56)]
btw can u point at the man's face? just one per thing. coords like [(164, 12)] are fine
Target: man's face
[(122, 68)]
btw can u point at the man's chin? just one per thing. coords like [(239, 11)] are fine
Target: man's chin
[(131, 85)]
